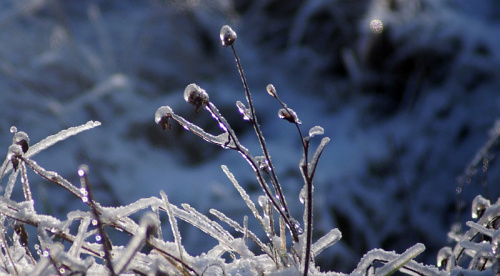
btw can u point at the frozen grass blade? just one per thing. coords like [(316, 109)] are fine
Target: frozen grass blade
[(243, 194), (51, 140), (25, 182), (314, 161), (173, 224), (10, 263), (79, 238), (10, 184), (392, 266), (326, 241), (147, 224), (241, 229)]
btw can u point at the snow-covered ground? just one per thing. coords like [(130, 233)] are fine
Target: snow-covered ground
[(406, 108)]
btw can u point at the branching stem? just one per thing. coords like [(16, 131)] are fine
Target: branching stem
[(274, 177)]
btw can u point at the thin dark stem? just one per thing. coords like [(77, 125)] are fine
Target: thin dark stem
[(274, 177), (83, 172), (308, 178), (7, 250), (309, 210), (244, 152)]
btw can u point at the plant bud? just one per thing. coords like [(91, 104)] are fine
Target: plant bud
[(289, 115), (227, 36), (271, 90), (22, 139), (15, 151), (162, 116), (479, 206), (196, 96)]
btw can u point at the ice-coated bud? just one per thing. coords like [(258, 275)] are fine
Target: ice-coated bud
[(196, 96), (244, 111), (227, 36), (22, 139), (443, 256), (15, 151), (289, 115), (271, 90), (263, 163), (162, 116), (263, 201), (150, 223), (479, 206)]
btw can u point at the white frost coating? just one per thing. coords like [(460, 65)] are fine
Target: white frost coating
[(326, 241), (125, 211), (77, 243), (480, 228), (380, 255), (243, 193), (11, 182), (200, 221), (394, 265), (240, 229), (50, 141), (317, 154), (60, 136), (53, 176), (148, 221), (317, 130), (173, 224)]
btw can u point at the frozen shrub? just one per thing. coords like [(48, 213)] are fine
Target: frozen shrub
[(80, 244)]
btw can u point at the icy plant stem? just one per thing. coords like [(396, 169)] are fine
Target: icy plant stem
[(10, 184), (26, 185), (274, 178), (134, 245), (51, 140), (394, 265), (52, 176), (308, 215), (173, 223), (7, 251), (83, 173), (77, 244)]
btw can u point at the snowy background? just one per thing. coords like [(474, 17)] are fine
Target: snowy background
[(407, 106)]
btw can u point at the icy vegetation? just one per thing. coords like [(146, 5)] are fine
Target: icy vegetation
[(407, 90)]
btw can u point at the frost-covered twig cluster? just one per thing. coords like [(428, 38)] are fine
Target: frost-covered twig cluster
[(80, 244)]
